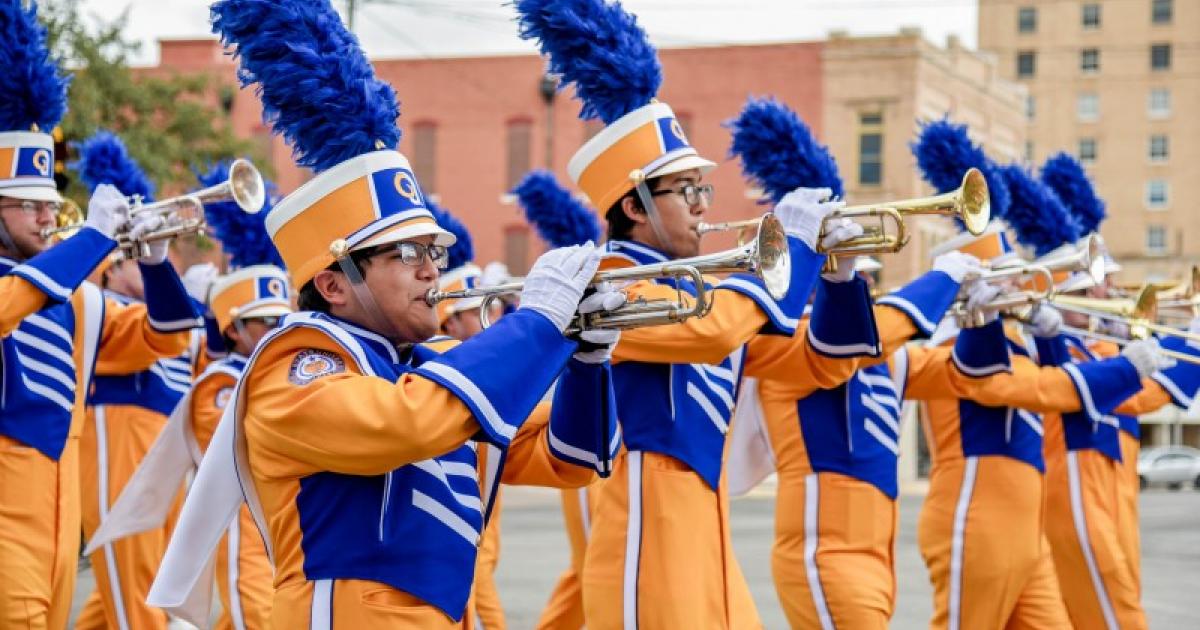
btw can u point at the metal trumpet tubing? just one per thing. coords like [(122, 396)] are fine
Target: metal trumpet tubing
[(1091, 334)]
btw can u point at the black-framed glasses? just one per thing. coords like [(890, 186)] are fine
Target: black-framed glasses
[(413, 254), (692, 194), (31, 207)]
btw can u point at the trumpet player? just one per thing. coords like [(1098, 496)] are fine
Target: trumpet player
[(55, 329)]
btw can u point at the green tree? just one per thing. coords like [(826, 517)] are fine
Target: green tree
[(169, 122)]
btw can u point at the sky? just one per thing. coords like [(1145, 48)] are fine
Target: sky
[(442, 28)]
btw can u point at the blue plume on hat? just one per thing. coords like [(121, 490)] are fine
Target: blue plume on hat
[(778, 151), (103, 159), (1066, 177), (463, 250), (1039, 218), (944, 152), (597, 47), (559, 218), (317, 88), (33, 91), (243, 235)]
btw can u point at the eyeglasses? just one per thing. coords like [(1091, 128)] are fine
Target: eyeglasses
[(692, 194), (269, 322), (32, 208), (413, 254)]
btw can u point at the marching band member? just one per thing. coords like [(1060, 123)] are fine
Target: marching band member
[(124, 416), (362, 453), (659, 552), (55, 331)]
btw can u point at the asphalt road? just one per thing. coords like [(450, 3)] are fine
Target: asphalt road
[(534, 552)]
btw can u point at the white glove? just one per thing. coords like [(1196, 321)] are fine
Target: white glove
[(556, 283), (1046, 321), (198, 279), (1110, 327), (1194, 328), (107, 210), (495, 273), (839, 230), (143, 225), (958, 265), (845, 270), (598, 344), (802, 212), (1147, 356), (979, 294)]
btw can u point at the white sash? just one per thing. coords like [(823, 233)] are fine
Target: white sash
[(750, 456)]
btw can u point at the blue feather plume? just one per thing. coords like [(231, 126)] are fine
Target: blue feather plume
[(32, 88), (559, 218), (597, 47), (243, 236), (778, 151), (103, 159), (1066, 177), (944, 152), (1035, 213), (317, 88), (463, 250)]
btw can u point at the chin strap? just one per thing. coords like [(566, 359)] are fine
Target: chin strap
[(647, 199), (379, 323)]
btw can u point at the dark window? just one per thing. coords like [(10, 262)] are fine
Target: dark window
[(520, 143), (1087, 149), (1026, 63), (1026, 19), (870, 149), (1089, 60), (1162, 11), (1160, 57), (1091, 16), (424, 155), (1160, 148)]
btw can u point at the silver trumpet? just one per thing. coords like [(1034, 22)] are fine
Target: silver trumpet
[(766, 256)]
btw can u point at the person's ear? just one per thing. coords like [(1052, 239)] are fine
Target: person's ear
[(333, 287), (631, 210)]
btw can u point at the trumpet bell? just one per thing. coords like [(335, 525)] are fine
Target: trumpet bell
[(246, 186), (975, 202), (774, 260)]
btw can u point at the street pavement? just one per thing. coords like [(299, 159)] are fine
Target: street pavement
[(534, 552)]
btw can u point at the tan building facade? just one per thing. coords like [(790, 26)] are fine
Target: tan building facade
[(1116, 83)]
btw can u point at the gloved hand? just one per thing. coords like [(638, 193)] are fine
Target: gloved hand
[(958, 265), (1046, 321), (1147, 356), (802, 212), (845, 270), (494, 273), (839, 230), (107, 210), (198, 279), (143, 225), (979, 294), (1110, 327), (556, 283), (596, 346)]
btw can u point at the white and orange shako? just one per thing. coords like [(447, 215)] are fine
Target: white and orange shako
[(647, 142), (369, 200), (991, 247), (250, 292), (27, 166)]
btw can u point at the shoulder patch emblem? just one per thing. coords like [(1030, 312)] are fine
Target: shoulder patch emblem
[(310, 365), (222, 397)]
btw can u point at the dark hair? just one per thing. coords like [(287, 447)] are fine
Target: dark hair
[(620, 226), (310, 299)]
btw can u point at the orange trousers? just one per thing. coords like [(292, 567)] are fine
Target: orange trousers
[(487, 606), (564, 610), (39, 535), (1084, 526), (980, 534), (660, 555), (360, 605), (1129, 522), (834, 555), (248, 606), (114, 441)]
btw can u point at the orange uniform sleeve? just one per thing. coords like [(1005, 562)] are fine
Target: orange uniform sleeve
[(530, 462), (208, 403), (129, 343), (733, 320), (20, 299), (343, 421), (932, 375), (1152, 398)]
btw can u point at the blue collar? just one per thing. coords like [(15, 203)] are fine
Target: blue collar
[(638, 253), (7, 265), (378, 342)]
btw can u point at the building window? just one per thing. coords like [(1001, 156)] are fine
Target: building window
[(1030, 107), (1026, 63), (1091, 16), (1156, 239), (1160, 148), (1160, 102), (520, 144), (870, 149), (1157, 193), (516, 249), (1089, 60), (1087, 150), (1160, 57), (1087, 107), (1026, 19), (424, 154), (1162, 11)]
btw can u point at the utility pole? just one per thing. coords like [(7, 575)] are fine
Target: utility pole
[(350, 14)]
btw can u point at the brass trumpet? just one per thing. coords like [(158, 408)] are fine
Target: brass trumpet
[(766, 256), (970, 202), (1138, 313), (244, 187)]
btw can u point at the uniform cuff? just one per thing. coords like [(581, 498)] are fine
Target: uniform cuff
[(1182, 381), (924, 300), (168, 305), (782, 315), (982, 351), (843, 322), (583, 417), (60, 270)]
